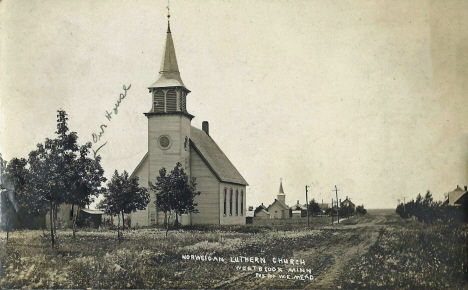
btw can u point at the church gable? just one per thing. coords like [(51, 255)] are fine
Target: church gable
[(142, 166), (140, 218), (278, 204), (215, 157)]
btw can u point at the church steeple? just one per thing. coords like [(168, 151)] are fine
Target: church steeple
[(281, 196), (169, 92), (281, 191), (169, 75)]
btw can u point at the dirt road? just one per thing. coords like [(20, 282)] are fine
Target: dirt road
[(336, 246), (368, 231)]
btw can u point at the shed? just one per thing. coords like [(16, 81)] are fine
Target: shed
[(296, 214), (91, 218)]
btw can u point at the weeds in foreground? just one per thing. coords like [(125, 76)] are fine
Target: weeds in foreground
[(430, 257)]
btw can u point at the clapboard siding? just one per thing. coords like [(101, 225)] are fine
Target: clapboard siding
[(177, 128), (140, 217), (208, 185)]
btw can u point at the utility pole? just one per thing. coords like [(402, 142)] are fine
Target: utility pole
[(331, 211), (337, 210), (321, 209), (307, 205), (404, 203)]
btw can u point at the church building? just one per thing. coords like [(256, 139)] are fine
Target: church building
[(172, 139), (278, 209)]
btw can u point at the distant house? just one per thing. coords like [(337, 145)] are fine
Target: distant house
[(260, 208), (263, 214), (302, 208), (278, 209), (347, 204), (457, 197)]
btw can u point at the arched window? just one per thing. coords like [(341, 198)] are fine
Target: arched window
[(237, 201), (225, 197), (242, 202), (158, 102), (230, 203), (171, 101)]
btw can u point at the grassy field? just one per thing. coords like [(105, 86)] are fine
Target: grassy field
[(365, 252)]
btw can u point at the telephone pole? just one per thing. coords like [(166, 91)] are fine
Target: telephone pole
[(404, 203), (337, 210), (331, 211), (321, 209)]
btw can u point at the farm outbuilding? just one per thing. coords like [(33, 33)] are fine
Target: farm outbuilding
[(297, 214), (90, 218)]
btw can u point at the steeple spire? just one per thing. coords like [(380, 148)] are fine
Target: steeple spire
[(281, 196), (281, 191), (169, 75)]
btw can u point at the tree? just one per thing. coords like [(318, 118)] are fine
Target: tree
[(7, 206), (314, 207), (86, 181), (361, 210), (426, 210), (401, 211), (7, 212), (53, 170), (123, 196), (175, 193), (15, 199)]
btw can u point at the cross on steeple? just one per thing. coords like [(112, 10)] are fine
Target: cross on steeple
[(168, 17)]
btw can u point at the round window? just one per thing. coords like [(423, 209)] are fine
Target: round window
[(164, 142)]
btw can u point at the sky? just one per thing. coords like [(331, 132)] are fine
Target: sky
[(370, 96)]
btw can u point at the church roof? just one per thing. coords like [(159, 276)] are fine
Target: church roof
[(280, 203), (169, 75), (215, 157)]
